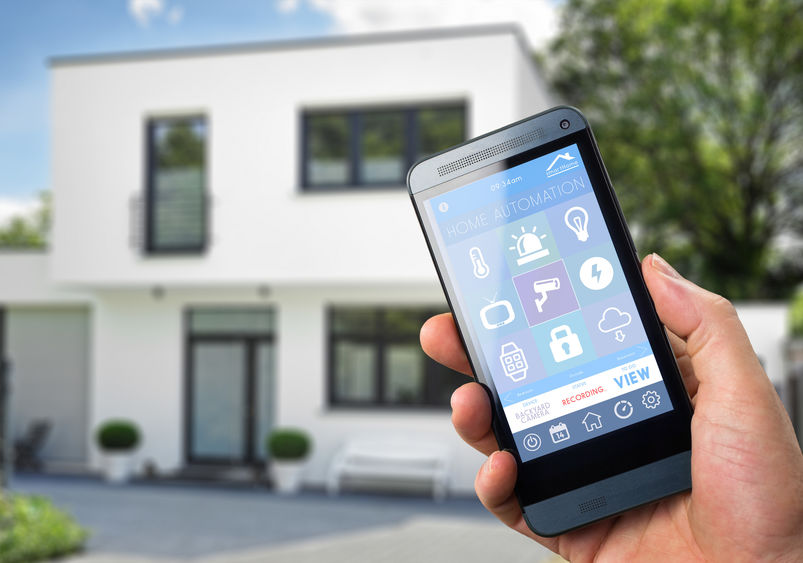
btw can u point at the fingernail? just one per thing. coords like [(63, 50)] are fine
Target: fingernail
[(663, 266), (487, 467), (492, 464)]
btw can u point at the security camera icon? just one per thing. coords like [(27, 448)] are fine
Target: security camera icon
[(614, 319)]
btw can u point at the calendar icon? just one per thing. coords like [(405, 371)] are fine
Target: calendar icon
[(513, 361), (559, 432)]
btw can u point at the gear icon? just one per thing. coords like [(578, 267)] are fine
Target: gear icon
[(651, 399)]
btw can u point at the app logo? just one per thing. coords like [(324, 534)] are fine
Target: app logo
[(592, 421), (623, 409), (651, 399), (614, 319), (529, 246), (481, 269), (542, 289), (513, 361), (596, 273), (496, 314), (562, 163), (559, 432), (531, 442), (576, 219), (564, 344)]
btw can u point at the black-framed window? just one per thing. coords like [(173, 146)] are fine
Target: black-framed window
[(374, 147), (375, 359), (176, 202)]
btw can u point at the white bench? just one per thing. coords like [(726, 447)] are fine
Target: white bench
[(391, 461)]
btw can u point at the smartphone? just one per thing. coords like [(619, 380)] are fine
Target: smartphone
[(545, 286)]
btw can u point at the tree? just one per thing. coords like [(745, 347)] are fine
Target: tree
[(29, 231), (698, 108)]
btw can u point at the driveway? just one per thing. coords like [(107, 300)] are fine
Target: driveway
[(213, 524)]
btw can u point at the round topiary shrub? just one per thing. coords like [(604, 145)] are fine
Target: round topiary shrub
[(118, 435), (288, 444)]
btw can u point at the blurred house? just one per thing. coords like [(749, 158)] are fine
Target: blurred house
[(233, 247)]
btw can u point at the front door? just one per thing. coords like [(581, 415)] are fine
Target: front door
[(230, 360)]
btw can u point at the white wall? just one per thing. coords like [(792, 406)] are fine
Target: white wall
[(302, 384), (262, 227), (139, 362), (138, 359), (534, 95), (25, 280), (767, 327)]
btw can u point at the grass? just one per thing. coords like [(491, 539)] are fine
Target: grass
[(32, 529)]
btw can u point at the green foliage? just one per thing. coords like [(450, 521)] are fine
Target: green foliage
[(440, 128), (383, 135), (796, 315), (28, 232), (118, 435), (32, 529), (329, 137), (288, 444), (698, 108), (181, 145)]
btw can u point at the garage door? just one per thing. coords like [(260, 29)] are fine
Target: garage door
[(49, 354)]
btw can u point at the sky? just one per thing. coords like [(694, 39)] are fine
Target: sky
[(33, 31)]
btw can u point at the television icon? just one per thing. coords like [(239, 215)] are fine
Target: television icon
[(496, 314)]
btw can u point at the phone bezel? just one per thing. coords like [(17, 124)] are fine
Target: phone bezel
[(610, 454)]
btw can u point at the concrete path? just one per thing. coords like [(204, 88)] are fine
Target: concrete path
[(167, 523), (441, 540)]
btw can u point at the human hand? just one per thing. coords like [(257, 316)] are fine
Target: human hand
[(746, 502)]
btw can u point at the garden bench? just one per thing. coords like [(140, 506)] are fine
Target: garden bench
[(391, 461)]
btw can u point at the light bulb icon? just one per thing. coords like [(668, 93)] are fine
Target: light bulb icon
[(481, 269), (576, 219)]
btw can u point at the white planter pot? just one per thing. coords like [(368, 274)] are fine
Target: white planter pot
[(117, 467), (287, 476)]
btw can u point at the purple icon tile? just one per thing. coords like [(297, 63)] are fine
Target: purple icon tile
[(545, 293)]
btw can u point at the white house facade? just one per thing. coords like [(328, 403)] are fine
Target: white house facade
[(233, 249)]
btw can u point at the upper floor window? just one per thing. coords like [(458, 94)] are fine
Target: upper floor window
[(375, 359), (374, 147), (176, 185)]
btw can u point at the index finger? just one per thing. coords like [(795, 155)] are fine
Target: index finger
[(440, 341)]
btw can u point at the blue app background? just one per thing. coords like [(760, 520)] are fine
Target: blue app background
[(538, 277)]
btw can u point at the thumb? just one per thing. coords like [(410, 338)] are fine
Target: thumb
[(716, 341)]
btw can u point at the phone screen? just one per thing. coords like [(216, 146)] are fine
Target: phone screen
[(549, 311)]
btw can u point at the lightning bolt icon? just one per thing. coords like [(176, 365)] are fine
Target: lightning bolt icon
[(596, 272)]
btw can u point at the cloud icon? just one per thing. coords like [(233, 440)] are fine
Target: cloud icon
[(613, 319)]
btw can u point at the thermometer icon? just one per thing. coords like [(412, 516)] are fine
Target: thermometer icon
[(481, 269)]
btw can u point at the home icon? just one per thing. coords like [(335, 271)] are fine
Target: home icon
[(592, 421)]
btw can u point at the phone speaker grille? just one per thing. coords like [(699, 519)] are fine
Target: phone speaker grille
[(593, 504), (488, 152)]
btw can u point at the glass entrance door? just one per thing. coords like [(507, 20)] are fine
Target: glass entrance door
[(229, 387), (219, 374)]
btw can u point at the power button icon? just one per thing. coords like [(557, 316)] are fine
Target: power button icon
[(531, 442)]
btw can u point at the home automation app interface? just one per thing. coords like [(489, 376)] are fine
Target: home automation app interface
[(536, 273)]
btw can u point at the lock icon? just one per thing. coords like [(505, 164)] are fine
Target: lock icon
[(564, 344)]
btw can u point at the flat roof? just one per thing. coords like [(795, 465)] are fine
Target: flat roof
[(295, 44)]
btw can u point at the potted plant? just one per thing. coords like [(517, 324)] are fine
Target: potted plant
[(287, 449), (117, 439)]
